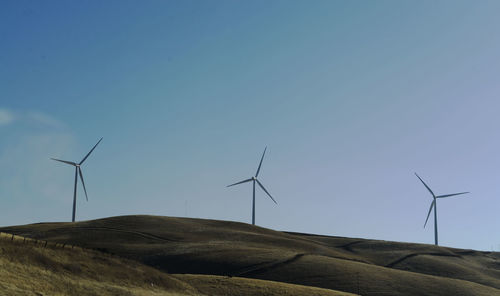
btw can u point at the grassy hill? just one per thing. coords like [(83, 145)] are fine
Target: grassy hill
[(34, 268), (209, 247)]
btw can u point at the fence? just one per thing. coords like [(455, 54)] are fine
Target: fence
[(40, 243)]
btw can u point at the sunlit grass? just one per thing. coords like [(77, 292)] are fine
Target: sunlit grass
[(32, 269)]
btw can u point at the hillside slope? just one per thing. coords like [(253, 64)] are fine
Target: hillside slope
[(27, 268), (197, 246), (35, 268)]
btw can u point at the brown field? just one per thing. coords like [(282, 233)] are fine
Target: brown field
[(28, 267), (234, 251)]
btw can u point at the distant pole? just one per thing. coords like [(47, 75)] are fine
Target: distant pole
[(185, 208)]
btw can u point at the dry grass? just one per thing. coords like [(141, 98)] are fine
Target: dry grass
[(30, 268), (225, 286), (196, 246)]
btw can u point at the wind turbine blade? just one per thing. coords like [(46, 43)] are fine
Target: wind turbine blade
[(430, 209), (244, 181), (260, 164), (65, 161), (83, 183), (262, 186), (425, 184), (90, 151), (448, 195)]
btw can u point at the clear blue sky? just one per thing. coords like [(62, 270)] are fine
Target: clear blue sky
[(351, 98)]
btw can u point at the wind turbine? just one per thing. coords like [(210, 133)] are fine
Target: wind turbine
[(434, 205), (78, 171), (255, 180)]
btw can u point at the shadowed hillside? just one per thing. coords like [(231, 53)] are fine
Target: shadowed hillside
[(196, 246), (35, 268)]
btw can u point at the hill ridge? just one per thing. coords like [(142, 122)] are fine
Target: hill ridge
[(213, 247)]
